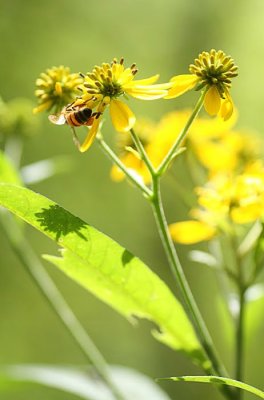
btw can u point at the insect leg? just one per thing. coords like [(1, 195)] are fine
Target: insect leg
[(96, 114), (75, 138)]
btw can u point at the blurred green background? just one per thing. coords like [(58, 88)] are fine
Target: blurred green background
[(161, 37)]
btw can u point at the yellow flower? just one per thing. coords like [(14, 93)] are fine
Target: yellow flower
[(157, 139), (211, 71), (220, 148), (248, 196), (56, 87), (166, 132), (105, 84), (215, 143), (224, 200)]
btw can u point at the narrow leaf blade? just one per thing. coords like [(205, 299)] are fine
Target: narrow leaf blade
[(220, 380)]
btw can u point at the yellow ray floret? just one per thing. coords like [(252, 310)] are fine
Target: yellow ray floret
[(189, 232), (212, 71)]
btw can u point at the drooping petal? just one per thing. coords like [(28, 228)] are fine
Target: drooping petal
[(227, 107), (181, 84), (90, 136), (212, 101), (189, 232), (122, 117)]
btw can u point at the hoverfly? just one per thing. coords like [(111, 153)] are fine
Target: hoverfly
[(75, 116)]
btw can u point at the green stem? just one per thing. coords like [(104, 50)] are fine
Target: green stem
[(165, 163), (142, 152), (56, 301), (240, 341), (217, 366), (239, 355), (113, 157)]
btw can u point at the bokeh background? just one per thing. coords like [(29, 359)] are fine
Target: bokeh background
[(161, 37)]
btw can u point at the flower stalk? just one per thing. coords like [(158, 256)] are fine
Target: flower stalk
[(167, 160), (178, 274), (113, 157), (214, 365), (239, 321)]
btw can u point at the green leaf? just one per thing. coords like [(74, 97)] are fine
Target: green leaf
[(82, 382), (105, 268), (8, 173), (221, 381)]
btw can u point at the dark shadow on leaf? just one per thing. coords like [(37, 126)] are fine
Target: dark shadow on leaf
[(126, 257), (59, 221)]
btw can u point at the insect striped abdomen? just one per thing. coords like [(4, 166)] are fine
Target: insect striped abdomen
[(83, 116)]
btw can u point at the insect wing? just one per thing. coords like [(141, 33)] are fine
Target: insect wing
[(57, 119)]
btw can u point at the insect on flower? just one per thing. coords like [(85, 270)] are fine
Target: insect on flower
[(75, 116)]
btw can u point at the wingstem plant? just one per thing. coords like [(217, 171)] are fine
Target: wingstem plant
[(104, 267)]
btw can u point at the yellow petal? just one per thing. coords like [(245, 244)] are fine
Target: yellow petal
[(247, 214), (126, 77), (144, 94), (43, 107), (189, 232), (90, 136), (181, 84), (122, 117), (212, 101), (149, 88), (116, 174), (147, 81), (227, 108)]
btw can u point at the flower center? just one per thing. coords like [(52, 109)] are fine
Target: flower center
[(214, 68), (111, 89), (106, 80)]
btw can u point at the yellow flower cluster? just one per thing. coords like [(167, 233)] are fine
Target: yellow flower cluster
[(224, 200), (157, 139), (234, 192), (219, 147), (216, 144), (57, 90)]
